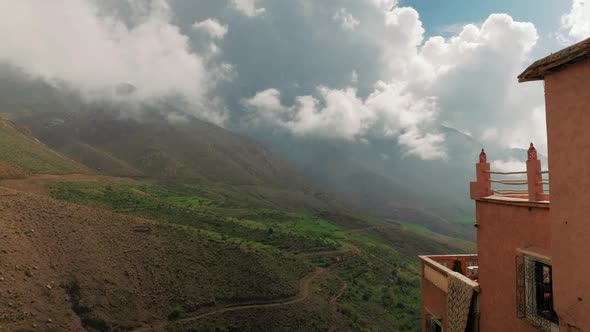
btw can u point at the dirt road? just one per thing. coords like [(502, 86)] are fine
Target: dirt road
[(303, 294)]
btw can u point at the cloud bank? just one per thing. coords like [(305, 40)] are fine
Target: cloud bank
[(576, 23), (467, 81), (77, 44), (348, 70), (341, 114)]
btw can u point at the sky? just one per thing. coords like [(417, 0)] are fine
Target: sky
[(349, 70)]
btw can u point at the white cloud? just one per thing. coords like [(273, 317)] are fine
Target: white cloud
[(346, 20), (511, 165), (248, 7), (384, 4), (427, 146), (389, 111), (473, 75), (576, 23), (525, 130), (467, 81), (477, 49), (403, 33), (211, 27), (73, 43)]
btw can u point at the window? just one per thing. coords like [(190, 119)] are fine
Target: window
[(534, 292), (434, 325), (544, 292)]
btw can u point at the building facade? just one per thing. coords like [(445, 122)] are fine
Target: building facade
[(532, 269)]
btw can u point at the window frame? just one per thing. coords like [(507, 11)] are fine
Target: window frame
[(544, 283), (530, 280), (432, 322)]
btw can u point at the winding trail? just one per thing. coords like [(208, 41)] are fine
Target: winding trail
[(302, 295), (343, 288), (366, 228)]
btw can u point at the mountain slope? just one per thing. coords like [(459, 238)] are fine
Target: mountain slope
[(123, 270), (229, 166), (156, 147), (119, 253), (62, 260), (22, 153), (385, 182)]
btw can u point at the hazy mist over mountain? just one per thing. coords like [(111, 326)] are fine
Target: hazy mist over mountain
[(257, 165), (362, 83)]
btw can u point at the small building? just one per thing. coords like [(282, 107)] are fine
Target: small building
[(532, 270)]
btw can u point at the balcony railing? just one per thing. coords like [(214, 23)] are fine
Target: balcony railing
[(456, 277), (464, 264), (531, 184)]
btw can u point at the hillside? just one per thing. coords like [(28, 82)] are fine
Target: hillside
[(62, 260), (386, 183), (161, 250), (21, 153), (131, 262), (374, 179), (152, 146)]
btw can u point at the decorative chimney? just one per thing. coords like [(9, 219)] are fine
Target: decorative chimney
[(534, 177), (482, 187), (483, 158), (532, 153)]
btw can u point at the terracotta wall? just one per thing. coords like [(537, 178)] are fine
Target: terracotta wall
[(435, 301), (502, 228), (568, 127)]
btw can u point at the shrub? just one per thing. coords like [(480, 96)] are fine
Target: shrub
[(176, 313)]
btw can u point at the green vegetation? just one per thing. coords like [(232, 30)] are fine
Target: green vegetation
[(22, 151), (226, 271), (464, 220), (176, 313), (381, 282), (290, 232), (383, 290), (247, 229), (416, 227)]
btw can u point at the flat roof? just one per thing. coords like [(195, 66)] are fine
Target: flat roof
[(556, 61), (514, 201)]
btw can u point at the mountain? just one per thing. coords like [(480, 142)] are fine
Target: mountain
[(23, 153), (376, 178), (381, 179), (83, 267), (161, 224)]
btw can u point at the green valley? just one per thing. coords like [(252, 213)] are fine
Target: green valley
[(215, 237)]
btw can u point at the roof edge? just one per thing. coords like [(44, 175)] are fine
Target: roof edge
[(556, 61)]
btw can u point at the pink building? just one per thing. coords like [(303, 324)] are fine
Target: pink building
[(533, 264)]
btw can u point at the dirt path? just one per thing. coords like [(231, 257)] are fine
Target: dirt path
[(303, 294), (32, 183), (365, 229), (354, 249), (319, 253), (36, 183), (343, 288)]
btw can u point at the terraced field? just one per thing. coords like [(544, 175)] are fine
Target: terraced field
[(81, 251)]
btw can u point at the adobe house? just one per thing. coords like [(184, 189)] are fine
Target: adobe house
[(532, 271)]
